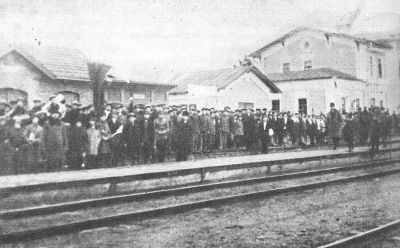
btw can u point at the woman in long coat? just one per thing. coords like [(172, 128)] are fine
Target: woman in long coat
[(334, 122), (55, 142)]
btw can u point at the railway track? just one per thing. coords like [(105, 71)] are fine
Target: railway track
[(109, 220), (375, 235)]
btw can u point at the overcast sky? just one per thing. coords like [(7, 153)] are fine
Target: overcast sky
[(145, 39)]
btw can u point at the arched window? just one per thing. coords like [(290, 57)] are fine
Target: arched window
[(12, 95), (70, 96)]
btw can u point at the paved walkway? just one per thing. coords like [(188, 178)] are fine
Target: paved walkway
[(64, 176)]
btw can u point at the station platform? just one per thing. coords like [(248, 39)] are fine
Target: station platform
[(154, 171)]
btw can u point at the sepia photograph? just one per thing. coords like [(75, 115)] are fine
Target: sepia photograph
[(200, 123)]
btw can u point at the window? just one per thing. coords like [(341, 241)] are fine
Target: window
[(371, 66), (343, 104), (307, 65), (379, 68), (286, 67), (246, 105), (381, 103), (303, 105), (357, 102), (12, 95), (276, 105), (372, 102)]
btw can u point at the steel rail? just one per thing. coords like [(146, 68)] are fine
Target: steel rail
[(112, 200), (111, 220), (180, 172), (364, 236)]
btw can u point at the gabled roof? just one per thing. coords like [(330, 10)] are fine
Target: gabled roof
[(321, 73), (219, 78), (365, 41), (56, 62)]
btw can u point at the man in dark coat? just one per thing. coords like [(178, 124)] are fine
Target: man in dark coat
[(132, 137), (334, 122), (183, 137), (148, 136), (375, 133), (348, 132), (249, 125), (55, 142), (265, 130), (117, 150), (77, 145)]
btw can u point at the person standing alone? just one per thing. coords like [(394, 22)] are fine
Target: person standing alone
[(334, 121)]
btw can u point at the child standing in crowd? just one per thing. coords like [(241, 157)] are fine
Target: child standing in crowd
[(94, 138)]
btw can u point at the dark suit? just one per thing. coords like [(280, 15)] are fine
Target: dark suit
[(148, 139), (184, 140), (263, 134), (282, 128), (117, 150), (132, 137)]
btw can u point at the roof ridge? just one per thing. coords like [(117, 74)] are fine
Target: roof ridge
[(257, 52)]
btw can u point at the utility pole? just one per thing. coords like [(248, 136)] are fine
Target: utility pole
[(98, 73)]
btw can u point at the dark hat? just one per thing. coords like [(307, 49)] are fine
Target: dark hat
[(124, 112), (332, 104), (185, 113)]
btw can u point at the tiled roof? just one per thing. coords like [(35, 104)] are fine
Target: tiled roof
[(57, 62), (219, 78), (321, 73), (373, 43), (152, 83)]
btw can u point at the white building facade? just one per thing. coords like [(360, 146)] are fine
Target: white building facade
[(238, 88), (373, 68)]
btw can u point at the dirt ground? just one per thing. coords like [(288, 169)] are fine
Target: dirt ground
[(306, 219)]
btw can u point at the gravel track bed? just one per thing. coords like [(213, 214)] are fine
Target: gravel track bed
[(306, 219), (40, 221)]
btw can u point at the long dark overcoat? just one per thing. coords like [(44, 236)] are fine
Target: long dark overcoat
[(334, 122)]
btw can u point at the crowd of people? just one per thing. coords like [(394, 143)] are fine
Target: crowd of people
[(55, 136)]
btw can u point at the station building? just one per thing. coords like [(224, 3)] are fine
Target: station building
[(313, 67), (39, 72), (240, 87)]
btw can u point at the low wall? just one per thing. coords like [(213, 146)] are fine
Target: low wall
[(70, 191)]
